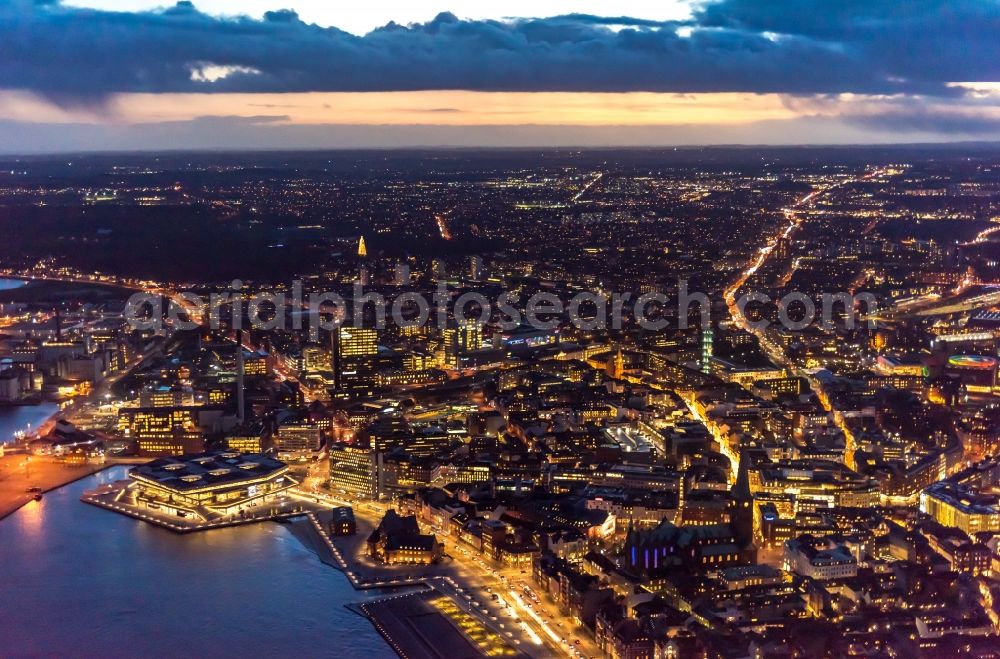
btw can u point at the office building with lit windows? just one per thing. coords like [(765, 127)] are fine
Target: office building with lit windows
[(246, 442), (356, 470), (957, 506), (355, 361), (159, 431), (298, 440), (461, 340), (707, 341)]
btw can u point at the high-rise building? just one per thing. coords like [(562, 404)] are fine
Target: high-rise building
[(470, 336), (475, 268), (356, 357), (465, 338), (707, 339), (356, 469), (362, 249)]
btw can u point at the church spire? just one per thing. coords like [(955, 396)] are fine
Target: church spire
[(741, 489), (741, 513)]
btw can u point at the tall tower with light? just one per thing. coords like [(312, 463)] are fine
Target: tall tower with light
[(707, 339)]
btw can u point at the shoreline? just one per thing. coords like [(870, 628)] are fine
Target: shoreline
[(53, 475), (413, 584), (45, 422), (344, 554)]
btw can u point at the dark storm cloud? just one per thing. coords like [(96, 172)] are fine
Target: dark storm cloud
[(918, 41), (76, 55)]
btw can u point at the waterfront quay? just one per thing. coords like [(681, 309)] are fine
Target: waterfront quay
[(469, 585), (429, 625), (479, 612), (438, 611), (24, 477)]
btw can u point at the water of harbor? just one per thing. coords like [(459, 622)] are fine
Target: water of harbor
[(79, 580), (21, 418)]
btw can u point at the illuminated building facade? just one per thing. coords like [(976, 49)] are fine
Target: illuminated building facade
[(316, 358), (980, 434), (958, 507), (298, 440), (356, 470), (461, 340), (465, 473), (707, 340), (891, 365), (245, 442), (356, 361), (819, 559), (162, 430), (165, 397), (526, 339), (397, 541), (977, 372), (222, 482), (744, 376)]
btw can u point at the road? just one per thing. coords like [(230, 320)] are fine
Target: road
[(443, 228), (775, 352), (587, 187), (983, 236)]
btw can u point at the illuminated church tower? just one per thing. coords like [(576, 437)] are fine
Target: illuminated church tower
[(741, 504), (363, 276)]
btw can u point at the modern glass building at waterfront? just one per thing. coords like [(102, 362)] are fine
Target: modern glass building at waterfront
[(224, 482)]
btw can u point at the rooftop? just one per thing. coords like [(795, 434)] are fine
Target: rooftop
[(188, 472)]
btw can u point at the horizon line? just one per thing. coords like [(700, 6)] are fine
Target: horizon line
[(445, 147)]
